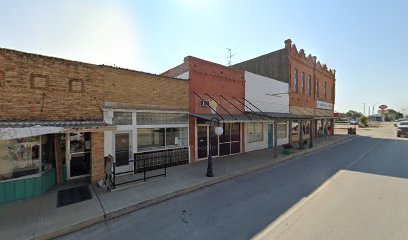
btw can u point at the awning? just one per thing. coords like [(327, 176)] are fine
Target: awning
[(251, 117), (21, 129)]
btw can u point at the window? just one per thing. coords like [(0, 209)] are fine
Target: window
[(309, 85), (317, 87), (282, 132), (295, 128), (157, 138), (150, 118), (230, 139), (20, 157), (176, 137), (150, 138), (122, 118), (303, 83), (255, 132), (295, 81), (324, 90)]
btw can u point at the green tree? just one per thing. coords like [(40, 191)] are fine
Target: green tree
[(364, 121), (353, 114)]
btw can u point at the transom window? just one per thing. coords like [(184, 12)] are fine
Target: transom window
[(150, 118), (122, 118)]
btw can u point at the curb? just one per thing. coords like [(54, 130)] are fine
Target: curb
[(147, 203)]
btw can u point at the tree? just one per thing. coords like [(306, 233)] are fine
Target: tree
[(364, 121), (353, 114), (391, 114)]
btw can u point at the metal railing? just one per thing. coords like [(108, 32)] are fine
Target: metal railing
[(139, 166)]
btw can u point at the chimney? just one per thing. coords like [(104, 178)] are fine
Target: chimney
[(288, 43)]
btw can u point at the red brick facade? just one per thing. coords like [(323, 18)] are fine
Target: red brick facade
[(300, 101)]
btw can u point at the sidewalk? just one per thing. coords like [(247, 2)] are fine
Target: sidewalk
[(39, 218)]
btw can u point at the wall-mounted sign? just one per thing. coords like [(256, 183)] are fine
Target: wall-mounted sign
[(324, 105)]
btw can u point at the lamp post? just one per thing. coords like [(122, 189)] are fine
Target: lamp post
[(218, 131)]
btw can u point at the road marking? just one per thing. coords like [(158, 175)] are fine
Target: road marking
[(362, 156)]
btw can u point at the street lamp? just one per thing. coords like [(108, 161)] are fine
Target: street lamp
[(218, 131)]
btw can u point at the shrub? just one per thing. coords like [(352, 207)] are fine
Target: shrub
[(364, 121)]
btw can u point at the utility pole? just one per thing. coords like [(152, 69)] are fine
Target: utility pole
[(364, 109)]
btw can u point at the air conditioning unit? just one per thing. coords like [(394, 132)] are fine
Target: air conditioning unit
[(205, 103)]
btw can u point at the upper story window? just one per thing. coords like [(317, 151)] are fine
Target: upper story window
[(303, 83), (317, 87), (295, 81), (309, 85), (325, 92)]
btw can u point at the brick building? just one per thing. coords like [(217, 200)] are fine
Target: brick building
[(214, 92), (60, 118), (311, 86)]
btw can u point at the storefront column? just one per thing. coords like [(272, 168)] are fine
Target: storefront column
[(290, 131), (300, 134), (58, 160), (275, 138), (97, 157), (311, 133)]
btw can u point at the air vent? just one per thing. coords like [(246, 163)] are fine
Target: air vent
[(205, 103)]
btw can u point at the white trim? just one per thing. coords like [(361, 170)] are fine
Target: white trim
[(136, 111)]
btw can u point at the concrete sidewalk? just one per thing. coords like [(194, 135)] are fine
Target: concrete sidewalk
[(39, 217)]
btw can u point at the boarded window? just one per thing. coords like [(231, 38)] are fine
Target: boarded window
[(76, 85), (38, 81)]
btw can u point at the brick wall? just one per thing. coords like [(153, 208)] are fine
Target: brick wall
[(34, 87), (97, 157), (137, 90), (215, 80)]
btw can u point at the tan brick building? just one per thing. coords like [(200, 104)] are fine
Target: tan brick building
[(60, 118)]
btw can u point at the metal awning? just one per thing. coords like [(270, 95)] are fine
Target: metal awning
[(20, 129), (251, 117)]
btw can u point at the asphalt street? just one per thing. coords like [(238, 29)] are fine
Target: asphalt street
[(242, 207)]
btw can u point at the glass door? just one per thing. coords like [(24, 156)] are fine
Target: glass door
[(123, 151), (79, 154), (202, 141)]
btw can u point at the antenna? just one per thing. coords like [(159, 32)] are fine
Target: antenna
[(230, 55)]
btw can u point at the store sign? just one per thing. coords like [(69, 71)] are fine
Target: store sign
[(324, 105)]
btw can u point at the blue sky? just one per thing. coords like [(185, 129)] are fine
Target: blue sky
[(365, 41)]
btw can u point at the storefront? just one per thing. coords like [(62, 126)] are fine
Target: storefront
[(150, 135), (34, 157)]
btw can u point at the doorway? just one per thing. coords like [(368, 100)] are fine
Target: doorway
[(78, 154), (270, 135), (123, 151), (202, 141)]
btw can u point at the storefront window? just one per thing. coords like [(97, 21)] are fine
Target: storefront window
[(154, 138), (255, 132), (176, 137), (148, 138), (282, 132), (20, 157), (295, 128)]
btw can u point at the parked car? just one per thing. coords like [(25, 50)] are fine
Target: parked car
[(354, 122), (402, 129)]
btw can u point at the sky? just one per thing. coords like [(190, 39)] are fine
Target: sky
[(365, 41)]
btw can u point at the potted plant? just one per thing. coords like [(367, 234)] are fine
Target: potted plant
[(287, 147), (305, 143)]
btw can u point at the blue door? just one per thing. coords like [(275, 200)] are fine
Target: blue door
[(270, 135)]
